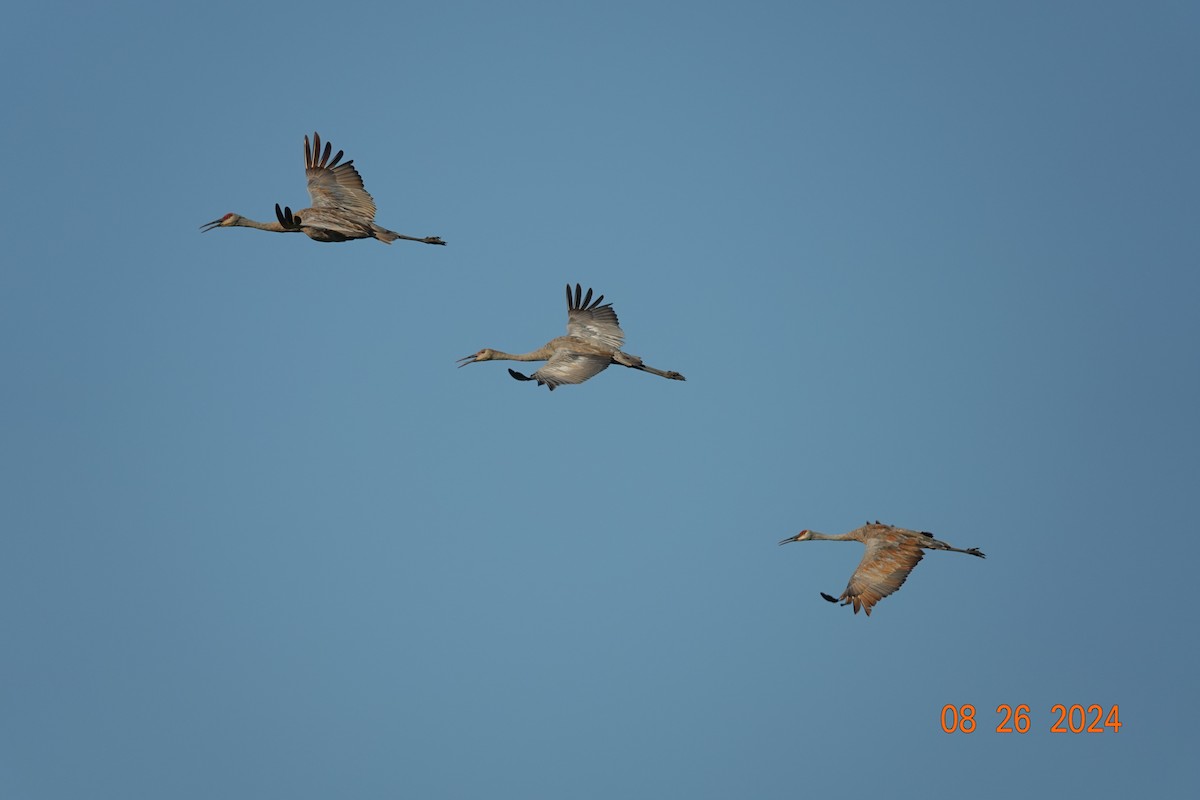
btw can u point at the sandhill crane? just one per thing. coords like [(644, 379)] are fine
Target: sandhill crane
[(593, 341), (890, 555), (341, 208)]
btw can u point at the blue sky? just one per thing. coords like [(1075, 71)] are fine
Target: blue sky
[(930, 263)]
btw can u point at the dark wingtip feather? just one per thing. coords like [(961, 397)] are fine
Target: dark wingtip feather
[(827, 597), (519, 376), (286, 218)]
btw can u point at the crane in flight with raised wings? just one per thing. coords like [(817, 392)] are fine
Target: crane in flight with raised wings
[(341, 208), (593, 342)]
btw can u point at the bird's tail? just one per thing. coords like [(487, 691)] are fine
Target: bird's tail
[(383, 234)]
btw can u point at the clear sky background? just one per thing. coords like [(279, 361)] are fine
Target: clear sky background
[(931, 263)]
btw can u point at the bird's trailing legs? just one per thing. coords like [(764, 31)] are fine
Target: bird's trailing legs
[(669, 374), (387, 237), (634, 362)]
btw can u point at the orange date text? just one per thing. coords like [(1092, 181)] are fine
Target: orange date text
[(1075, 718)]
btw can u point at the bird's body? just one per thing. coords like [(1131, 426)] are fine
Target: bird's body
[(593, 342), (341, 208), (891, 553)]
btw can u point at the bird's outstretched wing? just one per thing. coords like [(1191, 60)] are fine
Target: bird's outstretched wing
[(587, 319), (333, 185), (566, 367), (884, 567)]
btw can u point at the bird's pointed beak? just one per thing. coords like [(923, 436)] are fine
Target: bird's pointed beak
[(208, 226), (790, 539), (466, 360)]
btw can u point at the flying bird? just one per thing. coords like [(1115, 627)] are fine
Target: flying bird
[(592, 343), (891, 553), (341, 208)]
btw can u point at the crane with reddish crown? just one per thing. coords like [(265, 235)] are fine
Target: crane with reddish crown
[(891, 553), (341, 208)]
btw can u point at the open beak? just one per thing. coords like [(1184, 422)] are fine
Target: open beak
[(790, 539), (466, 360), (208, 226)]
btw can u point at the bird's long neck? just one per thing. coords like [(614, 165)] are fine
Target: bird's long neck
[(841, 537), (264, 226), (541, 354)]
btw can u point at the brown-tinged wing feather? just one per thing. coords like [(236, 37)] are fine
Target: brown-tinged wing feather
[(884, 567), (335, 186)]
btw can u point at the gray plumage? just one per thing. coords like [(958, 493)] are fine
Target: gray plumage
[(593, 342), (341, 210)]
